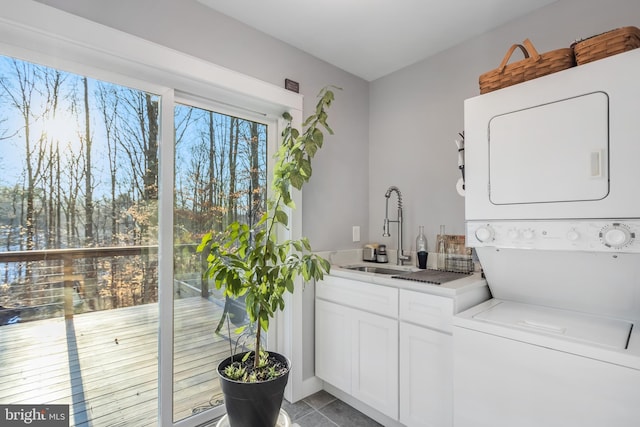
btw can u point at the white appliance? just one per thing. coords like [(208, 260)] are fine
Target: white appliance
[(553, 210)]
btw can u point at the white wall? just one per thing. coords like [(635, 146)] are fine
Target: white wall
[(416, 113), (336, 197)]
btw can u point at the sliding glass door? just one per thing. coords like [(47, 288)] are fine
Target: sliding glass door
[(220, 176), (79, 208)]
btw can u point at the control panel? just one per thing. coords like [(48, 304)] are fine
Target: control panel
[(614, 235)]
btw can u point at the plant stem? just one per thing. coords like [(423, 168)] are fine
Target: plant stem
[(256, 360)]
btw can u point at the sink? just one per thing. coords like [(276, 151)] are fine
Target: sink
[(374, 269)]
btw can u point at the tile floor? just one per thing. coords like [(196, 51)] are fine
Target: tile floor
[(324, 410)]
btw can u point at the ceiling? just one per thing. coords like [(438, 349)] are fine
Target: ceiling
[(372, 38)]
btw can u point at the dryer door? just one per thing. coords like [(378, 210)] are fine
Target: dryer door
[(555, 152)]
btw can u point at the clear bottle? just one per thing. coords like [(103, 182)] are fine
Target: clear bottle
[(441, 250), (421, 249)]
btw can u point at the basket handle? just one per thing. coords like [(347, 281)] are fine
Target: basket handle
[(528, 50), (532, 50)]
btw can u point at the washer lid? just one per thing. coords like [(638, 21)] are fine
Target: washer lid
[(601, 331)]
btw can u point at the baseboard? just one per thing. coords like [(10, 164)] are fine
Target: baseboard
[(306, 388)]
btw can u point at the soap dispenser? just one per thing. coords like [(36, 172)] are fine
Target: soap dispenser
[(421, 249)]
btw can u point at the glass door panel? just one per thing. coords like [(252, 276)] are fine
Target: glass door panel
[(78, 245), (220, 177)]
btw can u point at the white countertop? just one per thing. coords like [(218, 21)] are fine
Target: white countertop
[(340, 259)]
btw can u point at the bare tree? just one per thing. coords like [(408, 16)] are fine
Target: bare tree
[(88, 186), (53, 81), (151, 157), (144, 156), (108, 102), (22, 98), (73, 177), (255, 191), (233, 156), (213, 180)]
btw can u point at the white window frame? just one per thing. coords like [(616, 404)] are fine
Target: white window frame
[(38, 33)]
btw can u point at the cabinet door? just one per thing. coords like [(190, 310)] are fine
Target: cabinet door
[(333, 344), (426, 377), (375, 362)]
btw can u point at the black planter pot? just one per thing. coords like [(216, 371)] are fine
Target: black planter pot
[(253, 404)]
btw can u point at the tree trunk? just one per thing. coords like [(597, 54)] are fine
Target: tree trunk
[(151, 154), (212, 182), (88, 204), (255, 195), (151, 182), (232, 211)]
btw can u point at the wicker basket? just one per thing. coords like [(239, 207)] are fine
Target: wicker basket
[(606, 44), (534, 65)]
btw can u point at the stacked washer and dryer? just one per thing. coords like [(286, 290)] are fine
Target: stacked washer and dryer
[(553, 211)]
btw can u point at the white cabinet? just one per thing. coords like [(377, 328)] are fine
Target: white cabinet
[(426, 369), (374, 359), (390, 348), (426, 378), (357, 350), (333, 344)]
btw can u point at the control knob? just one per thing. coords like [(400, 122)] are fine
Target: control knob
[(485, 233), (573, 235), (616, 235), (528, 234)]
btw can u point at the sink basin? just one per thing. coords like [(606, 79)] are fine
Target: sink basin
[(374, 269)]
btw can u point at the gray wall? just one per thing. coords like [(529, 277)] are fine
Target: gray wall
[(416, 113), (336, 197)]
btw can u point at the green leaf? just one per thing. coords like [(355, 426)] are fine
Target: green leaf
[(289, 286), (312, 117), (328, 97), (282, 217), (318, 137), (305, 242), (204, 242), (305, 169), (311, 148), (326, 265), (297, 181), (264, 322)]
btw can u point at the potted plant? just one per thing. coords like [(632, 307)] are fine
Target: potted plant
[(255, 265)]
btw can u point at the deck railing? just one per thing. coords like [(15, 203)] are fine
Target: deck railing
[(35, 280)]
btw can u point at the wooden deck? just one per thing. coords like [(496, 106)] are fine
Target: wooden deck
[(105, 364)]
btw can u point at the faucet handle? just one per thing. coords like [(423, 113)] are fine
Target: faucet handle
[(402, 257)]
